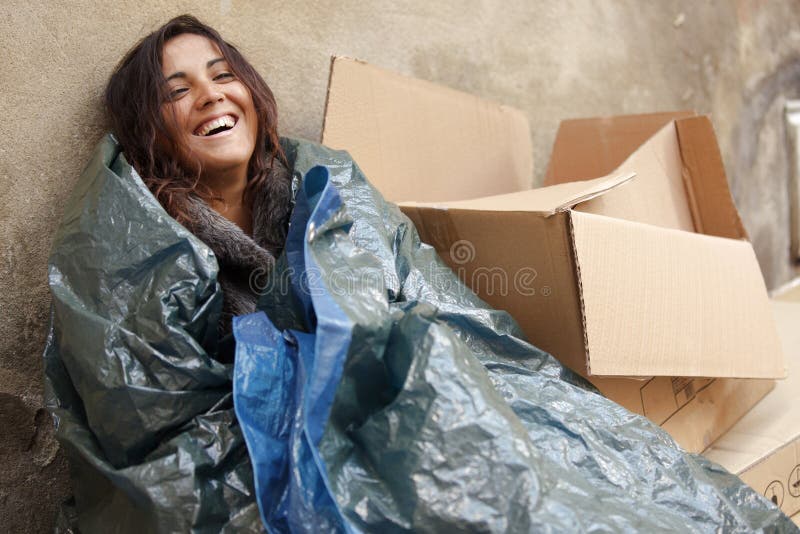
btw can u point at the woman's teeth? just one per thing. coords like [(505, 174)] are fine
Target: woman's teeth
[(226, 122)]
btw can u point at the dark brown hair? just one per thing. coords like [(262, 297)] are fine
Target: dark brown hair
[(134, 97)]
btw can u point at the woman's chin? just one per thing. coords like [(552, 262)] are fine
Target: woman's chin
[(223, 159), (222, 154)]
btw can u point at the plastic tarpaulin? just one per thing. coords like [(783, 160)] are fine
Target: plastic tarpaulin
[(374, 391)]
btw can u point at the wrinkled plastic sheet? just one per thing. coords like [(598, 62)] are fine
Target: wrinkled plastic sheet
[(372, 392)]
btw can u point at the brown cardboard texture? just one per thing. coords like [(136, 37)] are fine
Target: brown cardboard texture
[(546, 201), (620, 136), (653, 299), (610, 275), (401, 127), (688, 153), (763, 448)]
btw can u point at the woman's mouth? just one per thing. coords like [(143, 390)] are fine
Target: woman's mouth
[(216, 126)]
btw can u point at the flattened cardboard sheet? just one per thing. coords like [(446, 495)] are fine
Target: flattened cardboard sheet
[(790, 291), (661, 302), (423, 142)]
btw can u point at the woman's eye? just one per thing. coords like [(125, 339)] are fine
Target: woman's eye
[(223, 76), (175, 93)]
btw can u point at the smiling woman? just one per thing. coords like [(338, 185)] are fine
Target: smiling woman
[(199, 124), (212, 115)]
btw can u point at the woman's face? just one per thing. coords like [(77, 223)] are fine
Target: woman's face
[(216, 120)]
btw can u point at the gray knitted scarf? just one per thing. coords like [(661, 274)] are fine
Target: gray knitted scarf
[(242, 258)]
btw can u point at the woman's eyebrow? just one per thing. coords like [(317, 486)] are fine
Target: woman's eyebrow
[(181, 74)]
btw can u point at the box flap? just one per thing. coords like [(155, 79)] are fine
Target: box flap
[(775, 421), (544, 200), (682, 182), (588, 148), (662, 302), (713, 209), (658, 195), (419, 141)]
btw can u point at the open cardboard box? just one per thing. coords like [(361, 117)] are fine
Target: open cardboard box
[(763, 448), (639, 278)]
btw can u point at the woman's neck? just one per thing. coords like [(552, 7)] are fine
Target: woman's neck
[(230, 189)]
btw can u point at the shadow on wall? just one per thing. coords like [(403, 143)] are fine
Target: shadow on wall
[(761, 171)]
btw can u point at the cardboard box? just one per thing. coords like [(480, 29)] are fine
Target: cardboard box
[(764, 447), (612, 275)]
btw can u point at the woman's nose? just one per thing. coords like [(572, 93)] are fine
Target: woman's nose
[(208, 95)]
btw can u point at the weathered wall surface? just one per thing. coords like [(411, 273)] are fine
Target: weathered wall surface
[(738, 60)]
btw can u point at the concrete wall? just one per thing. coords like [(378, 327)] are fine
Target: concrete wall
[(737, 60)]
